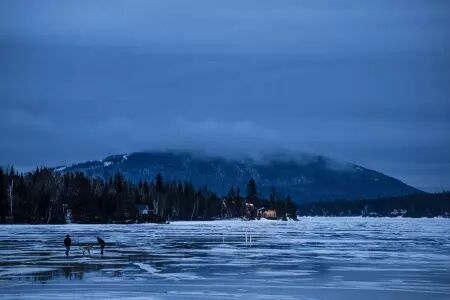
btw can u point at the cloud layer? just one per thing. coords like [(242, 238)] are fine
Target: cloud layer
[(363, 82)]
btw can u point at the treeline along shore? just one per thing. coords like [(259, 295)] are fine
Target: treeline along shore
[(422, 205), (44, 197)]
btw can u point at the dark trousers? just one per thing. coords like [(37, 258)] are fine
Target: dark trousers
[(67, 250)]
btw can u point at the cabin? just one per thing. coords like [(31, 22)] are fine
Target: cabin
[(143, 209), (269, 214)]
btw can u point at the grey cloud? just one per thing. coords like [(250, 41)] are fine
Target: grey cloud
[(361, 82)]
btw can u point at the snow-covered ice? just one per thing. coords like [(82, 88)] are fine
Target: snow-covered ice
[(315, 258)]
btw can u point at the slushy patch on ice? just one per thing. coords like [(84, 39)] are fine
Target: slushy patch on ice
[(147, 268)]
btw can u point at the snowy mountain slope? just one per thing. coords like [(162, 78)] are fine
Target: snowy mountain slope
[(306, 178)]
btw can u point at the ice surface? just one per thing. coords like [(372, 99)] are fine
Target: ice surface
[(315, 258)]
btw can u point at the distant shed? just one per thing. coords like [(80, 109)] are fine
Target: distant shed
[(143, 209)]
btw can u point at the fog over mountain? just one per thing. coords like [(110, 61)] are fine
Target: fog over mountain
[(304, 177)]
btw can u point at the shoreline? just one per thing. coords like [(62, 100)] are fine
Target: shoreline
[(299, 218)]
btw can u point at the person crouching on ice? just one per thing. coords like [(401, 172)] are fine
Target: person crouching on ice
[(67, 243), (102, 244)]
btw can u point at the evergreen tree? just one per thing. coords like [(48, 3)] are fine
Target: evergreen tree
[(239, 204), (231, 205), (159, 186), (252, 193), (159, 197), (272, 197), (291, 209)]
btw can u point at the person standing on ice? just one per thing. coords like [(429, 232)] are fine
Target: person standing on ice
[(102, 244), (67, 243)]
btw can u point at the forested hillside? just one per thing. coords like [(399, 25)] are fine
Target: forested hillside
[(305, 177)]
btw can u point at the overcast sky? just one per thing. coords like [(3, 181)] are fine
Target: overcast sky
[(362, 81)]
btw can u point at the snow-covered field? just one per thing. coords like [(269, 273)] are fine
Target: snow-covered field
[(315, 258)]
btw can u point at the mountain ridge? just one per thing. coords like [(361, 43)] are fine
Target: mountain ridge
[(304, 177)]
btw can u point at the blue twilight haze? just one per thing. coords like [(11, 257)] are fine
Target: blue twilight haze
[(361, 81)]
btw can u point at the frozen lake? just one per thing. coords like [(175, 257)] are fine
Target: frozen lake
[(315, 258)]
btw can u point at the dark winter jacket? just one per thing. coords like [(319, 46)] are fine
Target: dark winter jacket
[(101, 242), (67, 242)]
